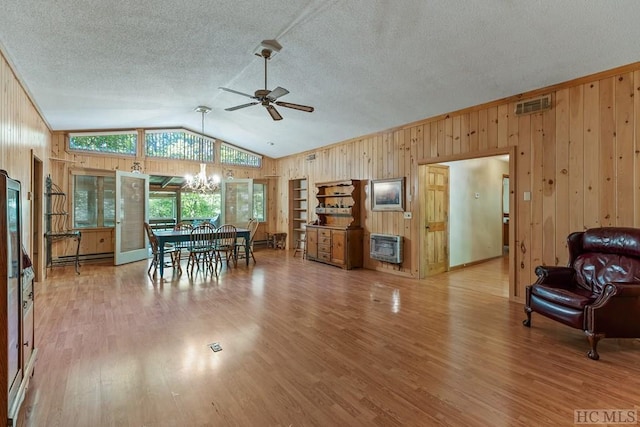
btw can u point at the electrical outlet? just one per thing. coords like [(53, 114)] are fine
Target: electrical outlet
[(407, 215)]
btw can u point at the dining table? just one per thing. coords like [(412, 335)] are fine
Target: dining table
[(175, 236)]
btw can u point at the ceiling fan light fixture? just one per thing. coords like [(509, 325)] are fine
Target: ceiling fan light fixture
[(266, 96)]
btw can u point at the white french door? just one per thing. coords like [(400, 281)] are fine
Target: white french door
[(238, 201), (132, 211)]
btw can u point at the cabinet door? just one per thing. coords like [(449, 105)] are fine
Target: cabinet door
[(312, 242), (338, 246)]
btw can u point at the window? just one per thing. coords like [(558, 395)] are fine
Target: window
[(260, 202), (105, 142), (200, 206), (179, 144), (163, 205), (94, 201), (234, 156)]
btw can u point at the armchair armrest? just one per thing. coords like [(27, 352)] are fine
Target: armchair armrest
[(617, 289), (555, 274), (616, 312)]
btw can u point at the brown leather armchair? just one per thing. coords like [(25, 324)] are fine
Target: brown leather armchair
[(599, 290)]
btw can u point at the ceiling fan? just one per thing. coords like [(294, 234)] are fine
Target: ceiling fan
[(266, 97)]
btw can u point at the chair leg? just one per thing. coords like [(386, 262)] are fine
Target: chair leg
[(527, 322), (593, 342)]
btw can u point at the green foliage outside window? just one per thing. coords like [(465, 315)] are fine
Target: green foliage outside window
[(259, 202), (121, 143), (162, 205), (200, 206), (94, 202), (179, 145), (232, 156)]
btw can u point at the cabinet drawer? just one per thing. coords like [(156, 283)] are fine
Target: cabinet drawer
[(324, 248), (324, 256), (28, 332), (324, 233), (324, 240)]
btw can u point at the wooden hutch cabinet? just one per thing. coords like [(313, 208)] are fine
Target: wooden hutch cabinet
[(336, 239), (16, 333)]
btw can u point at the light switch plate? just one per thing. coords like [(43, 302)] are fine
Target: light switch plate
[(407, 215)]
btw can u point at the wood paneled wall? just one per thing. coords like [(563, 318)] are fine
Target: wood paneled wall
[(23, 135), (102, 240), (580, 162)]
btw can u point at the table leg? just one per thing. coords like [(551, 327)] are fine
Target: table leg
[(246, 250), (161, 244), (77, 263)]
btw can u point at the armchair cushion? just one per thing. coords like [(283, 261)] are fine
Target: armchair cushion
[(567, 295)]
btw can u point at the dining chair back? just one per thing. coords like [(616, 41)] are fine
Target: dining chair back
[(201, 247), (169, 251), (226, 236)]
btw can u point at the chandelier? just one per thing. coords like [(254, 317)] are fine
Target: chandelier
[(200, 181)]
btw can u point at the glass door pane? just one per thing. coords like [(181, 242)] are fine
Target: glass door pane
[(132, 195), (238, 201)]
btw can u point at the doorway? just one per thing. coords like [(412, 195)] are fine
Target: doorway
[(478, 205), (37, 216)]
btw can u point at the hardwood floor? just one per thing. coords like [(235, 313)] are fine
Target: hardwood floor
[(305, 344)]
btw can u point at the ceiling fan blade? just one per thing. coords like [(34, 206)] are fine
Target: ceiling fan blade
[(277, 93), (237, 107), (237, 93), (305, 108), (273, 112)]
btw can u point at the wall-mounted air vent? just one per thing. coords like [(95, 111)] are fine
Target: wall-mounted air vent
[(533, 105), (311, 157)]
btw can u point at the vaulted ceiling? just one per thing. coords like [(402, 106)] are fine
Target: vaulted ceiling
[(365, 65)]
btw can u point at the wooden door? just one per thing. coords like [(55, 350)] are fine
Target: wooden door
[(312, 242), (435, 217), (338, 247)]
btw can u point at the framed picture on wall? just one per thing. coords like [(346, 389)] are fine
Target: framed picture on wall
[(387, 194)]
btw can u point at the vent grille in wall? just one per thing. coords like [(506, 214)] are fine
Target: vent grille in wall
[(533, 105)]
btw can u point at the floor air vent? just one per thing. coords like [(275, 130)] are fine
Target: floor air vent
[(533, 105)]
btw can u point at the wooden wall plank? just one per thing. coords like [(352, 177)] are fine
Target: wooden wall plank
[(523, 217), (576, 159), (624, 122), (474, 137), (562, 208), (457, 143), (465, 146), (503, 125), (591, 132), (607, 153), (492, 127), (537, 189), (549, 187), (636, 117), (483, 142)]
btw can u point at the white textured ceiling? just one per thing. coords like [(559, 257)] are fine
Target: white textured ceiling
[(365, 65)]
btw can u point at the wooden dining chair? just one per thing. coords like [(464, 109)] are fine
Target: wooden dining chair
[(171, 252), (226, 236), (241, 244), (183, 246), (202, 250)]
